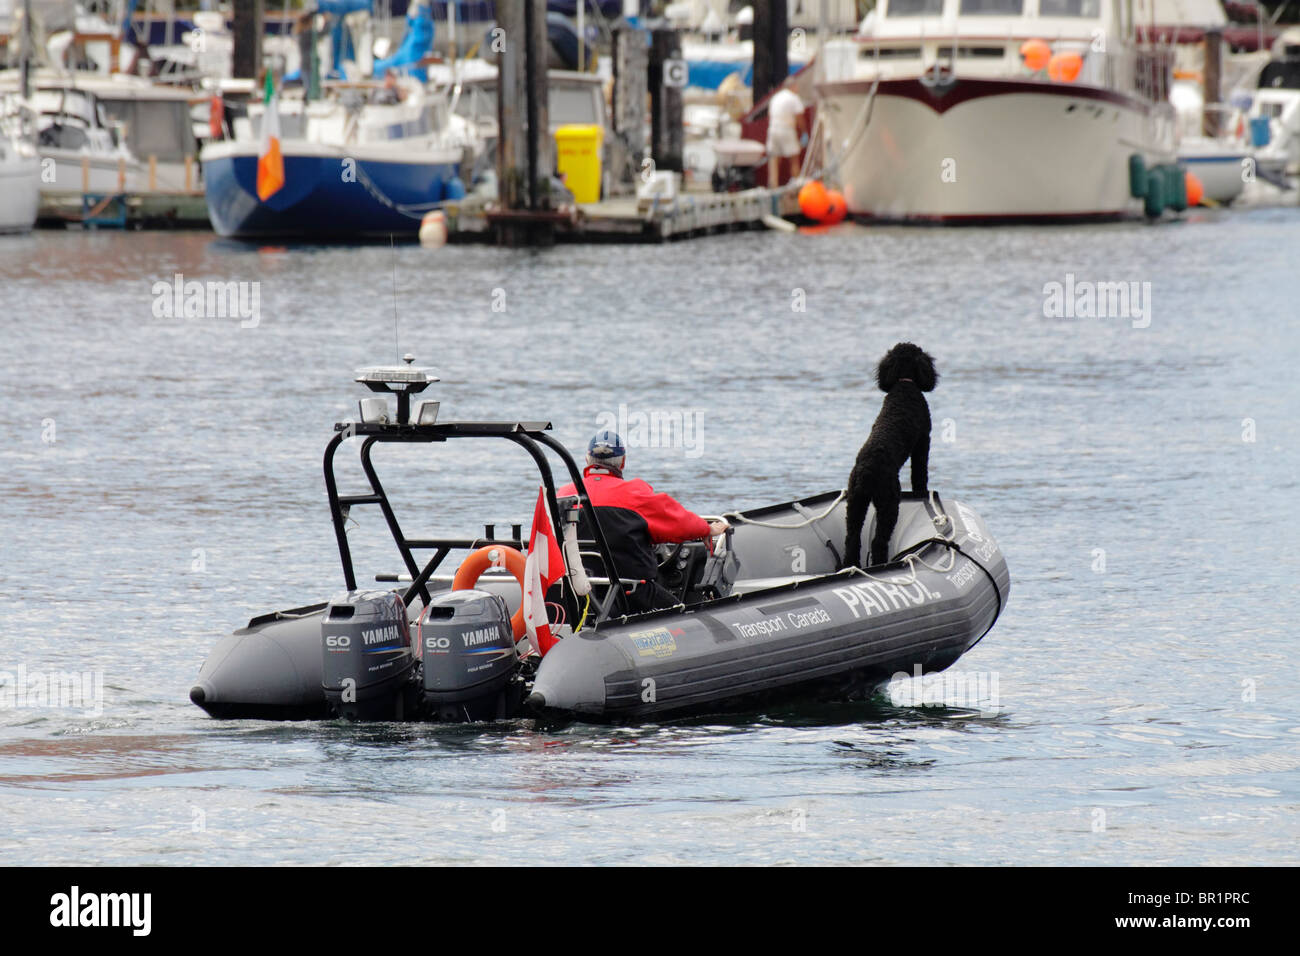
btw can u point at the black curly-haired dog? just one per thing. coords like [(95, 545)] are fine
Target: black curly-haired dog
[(901, 431)]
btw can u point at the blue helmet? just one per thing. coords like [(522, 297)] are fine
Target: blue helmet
[(606, 450)]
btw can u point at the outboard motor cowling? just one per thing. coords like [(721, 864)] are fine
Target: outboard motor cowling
[(368, 671), (470, 661)]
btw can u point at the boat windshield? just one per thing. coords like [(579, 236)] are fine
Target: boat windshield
[(914, 8), (1069, 8), (292, 124), (572, 104), (160, 128), (1012, 8), (68, 103), (1281, 74), (565, 104)]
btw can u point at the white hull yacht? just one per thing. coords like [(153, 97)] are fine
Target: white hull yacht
[(945, 121)]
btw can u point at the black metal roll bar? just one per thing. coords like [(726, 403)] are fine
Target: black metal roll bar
[(528, 435)]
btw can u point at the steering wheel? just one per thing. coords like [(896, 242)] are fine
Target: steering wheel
[(673, 555)]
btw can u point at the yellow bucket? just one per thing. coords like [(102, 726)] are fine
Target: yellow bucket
[(577, 159)]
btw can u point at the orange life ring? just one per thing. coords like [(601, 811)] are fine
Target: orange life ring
[(467, 575)]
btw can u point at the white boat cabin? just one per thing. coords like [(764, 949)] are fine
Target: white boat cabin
[(984, 37), (407, 115), (1088, 42)]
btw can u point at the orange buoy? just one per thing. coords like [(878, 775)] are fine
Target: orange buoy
[(493, 556), (1064, 67), (1036, 54), (836, 207), (1195, 190), (813, 200)]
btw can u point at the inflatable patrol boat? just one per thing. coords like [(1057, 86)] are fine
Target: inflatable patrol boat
[(764, 613)]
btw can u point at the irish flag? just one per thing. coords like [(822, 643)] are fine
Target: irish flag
[(270, 164)]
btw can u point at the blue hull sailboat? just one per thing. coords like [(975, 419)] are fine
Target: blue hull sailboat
[(366, 160)]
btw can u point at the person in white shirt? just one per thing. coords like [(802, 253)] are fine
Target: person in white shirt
[(785, 128)]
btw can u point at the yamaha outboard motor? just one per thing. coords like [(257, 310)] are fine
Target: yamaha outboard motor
[(470, 661), (369, 669)]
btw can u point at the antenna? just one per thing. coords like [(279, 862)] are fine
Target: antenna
[(397, 349)]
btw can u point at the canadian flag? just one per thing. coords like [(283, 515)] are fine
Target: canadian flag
[(545, 566)]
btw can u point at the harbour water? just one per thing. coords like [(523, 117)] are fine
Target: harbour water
[(1138, 702)]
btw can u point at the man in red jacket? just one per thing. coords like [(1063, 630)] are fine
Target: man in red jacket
[(635, 518)]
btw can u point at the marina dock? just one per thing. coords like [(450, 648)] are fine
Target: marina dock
[(626, 219), (155, 209), (125, 205)]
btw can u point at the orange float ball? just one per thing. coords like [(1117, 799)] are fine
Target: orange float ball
[(1036, 54), (836, 207), (1195, 191), (1064, 67), (813, 200)]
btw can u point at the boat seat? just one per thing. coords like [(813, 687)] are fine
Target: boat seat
[(594, 565)]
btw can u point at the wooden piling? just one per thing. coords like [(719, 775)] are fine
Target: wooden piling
[(153, 172), (247, 31), (771, 46), (512, 141), (627, 146), (85, 174), (525, 158), (666, 132), (1212, 79), (539, 118)]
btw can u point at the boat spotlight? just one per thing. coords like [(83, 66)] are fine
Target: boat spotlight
[(374, 411), (426, 413)]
